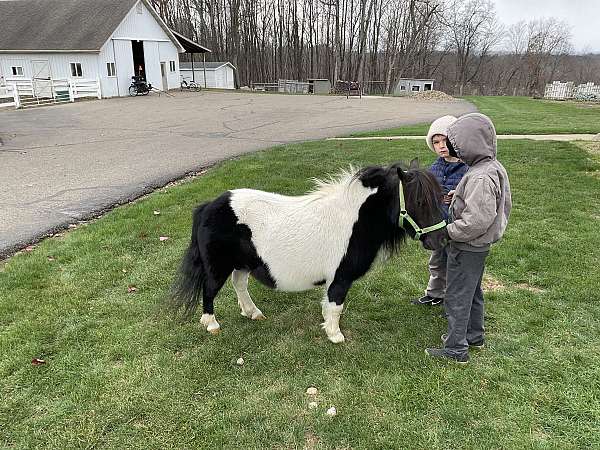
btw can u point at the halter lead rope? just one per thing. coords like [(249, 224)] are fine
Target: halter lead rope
[(405, 216)]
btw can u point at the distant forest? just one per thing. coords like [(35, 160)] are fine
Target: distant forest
[(459, 43)]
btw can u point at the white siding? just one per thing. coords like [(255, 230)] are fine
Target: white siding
[(168, 52), (140, 26), (111, 85), (60, 64)]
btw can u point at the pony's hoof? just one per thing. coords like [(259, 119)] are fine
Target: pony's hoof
[(211, 324), (258, 315), (337, 338)]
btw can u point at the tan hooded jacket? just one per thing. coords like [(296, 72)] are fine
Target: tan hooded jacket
[(482, 202)]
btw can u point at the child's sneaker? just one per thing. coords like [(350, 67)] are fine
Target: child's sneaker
[(476, 345), (440, 353), (427, 300)]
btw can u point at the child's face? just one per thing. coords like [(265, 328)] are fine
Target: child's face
[(439, 145)]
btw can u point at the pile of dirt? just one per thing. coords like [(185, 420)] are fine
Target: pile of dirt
[(433, 95)]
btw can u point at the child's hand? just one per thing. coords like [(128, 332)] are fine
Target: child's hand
[(448, 197)]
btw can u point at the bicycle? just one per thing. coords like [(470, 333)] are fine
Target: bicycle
[(191, 86), (139, 86)]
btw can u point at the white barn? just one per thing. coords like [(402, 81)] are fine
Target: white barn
[(219, 75), (104, 40)]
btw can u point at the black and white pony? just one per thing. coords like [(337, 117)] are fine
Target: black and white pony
[(328, 237)]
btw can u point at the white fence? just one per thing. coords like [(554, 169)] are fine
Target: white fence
[(285, 86), (564, 91), (24, 93)]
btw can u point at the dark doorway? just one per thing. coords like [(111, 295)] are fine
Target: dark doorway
[(139, 68)]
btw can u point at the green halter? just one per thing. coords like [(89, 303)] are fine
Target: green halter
[(405, 216)]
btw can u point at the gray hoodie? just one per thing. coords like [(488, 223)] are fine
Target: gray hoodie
[(482, 202)]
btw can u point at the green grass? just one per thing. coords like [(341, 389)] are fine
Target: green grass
[(522, 115), (120, 373)]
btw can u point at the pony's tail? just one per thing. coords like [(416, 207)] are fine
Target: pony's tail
[(186, 291)]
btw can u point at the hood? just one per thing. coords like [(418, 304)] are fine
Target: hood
[(439, 126), (473, 137)]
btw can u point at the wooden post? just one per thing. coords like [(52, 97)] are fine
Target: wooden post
[(193, 72), (16, 95), (71, 91), (204, 65)]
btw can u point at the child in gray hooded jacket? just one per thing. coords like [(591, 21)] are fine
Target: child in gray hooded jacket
[(479, 214)]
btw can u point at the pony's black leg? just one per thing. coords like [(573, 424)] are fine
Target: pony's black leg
[(239, 279), (332, 305), (212, 285)]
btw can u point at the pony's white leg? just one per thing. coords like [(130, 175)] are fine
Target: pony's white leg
[(211, 324), (331, 313), (239, 278)]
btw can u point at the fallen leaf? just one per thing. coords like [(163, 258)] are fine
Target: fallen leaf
[(29, 248), (156, 212), (131, 289), (37, 362), (72, 225), (124, 271), (50, 258), (163, 238)]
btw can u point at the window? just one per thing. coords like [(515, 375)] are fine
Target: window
[(76, 70), (402, 88), (110, 69), (427, 87), (416, 88), (138, 8), (172, 66), (17, 71)]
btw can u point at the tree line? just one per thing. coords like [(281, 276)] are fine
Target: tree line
[(460, 43)]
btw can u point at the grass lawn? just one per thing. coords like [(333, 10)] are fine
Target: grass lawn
[(522, 115), (120, 373)]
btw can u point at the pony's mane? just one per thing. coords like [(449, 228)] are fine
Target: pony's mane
[(334, 183), (423, 185)]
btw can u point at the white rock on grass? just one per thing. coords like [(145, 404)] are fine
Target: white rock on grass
[(312, 391), (240, 361), (313, 405), (332, 411)]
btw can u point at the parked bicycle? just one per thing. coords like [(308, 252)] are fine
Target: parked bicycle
[(139, 86), (190, 85)]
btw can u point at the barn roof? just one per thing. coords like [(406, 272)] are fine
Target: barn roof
[(198, 65), (63, 25), (189, 45)]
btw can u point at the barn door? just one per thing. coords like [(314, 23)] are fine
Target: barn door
[(42, 78)]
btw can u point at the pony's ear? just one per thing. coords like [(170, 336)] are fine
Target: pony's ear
[(414, 164), (372, 177), (400, 171)]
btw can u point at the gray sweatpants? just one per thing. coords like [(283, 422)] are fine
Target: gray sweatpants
[(464, 299), (436, 288)]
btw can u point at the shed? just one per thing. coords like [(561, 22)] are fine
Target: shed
[(105, 40), (219, 75), (319, 86), (407, 86)]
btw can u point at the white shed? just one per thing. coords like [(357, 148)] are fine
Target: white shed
[(218, 74), (408, 86), (104, 40)]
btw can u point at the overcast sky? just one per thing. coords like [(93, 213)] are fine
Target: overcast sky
[(582, 15)]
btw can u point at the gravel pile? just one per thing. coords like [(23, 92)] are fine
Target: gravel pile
[(433, 95)]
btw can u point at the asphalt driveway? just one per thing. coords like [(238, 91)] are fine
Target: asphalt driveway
[(70, 162)]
